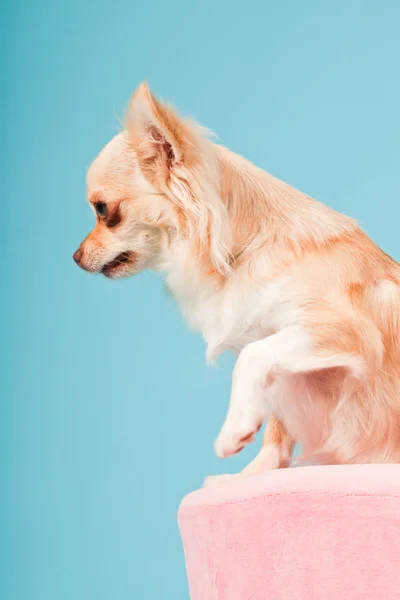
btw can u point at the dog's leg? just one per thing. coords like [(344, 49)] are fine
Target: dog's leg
[(326, 341), (256, 368), (247, 411), (276, 450)]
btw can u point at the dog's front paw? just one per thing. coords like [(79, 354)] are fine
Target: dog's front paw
[(238, 430)]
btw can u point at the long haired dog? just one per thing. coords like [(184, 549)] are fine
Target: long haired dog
[(307, 301)]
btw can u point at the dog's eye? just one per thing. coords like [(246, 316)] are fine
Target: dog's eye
[(101, 209)]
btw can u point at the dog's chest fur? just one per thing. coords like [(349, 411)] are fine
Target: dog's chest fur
[(234, 315)]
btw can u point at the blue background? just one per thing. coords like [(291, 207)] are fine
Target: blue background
[(109, 412)]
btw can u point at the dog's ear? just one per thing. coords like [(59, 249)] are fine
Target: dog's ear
[(176, 156), (162, 140)]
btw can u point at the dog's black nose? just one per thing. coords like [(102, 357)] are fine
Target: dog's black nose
[(77, 256)]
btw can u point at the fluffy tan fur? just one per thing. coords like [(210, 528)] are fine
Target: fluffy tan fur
[(308, 302)]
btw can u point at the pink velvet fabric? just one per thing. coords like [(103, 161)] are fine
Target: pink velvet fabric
[(323, 533)]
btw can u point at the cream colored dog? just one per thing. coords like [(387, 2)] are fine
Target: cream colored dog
[(308, 302)]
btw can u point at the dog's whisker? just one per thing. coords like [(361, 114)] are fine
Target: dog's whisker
[(158, 277)]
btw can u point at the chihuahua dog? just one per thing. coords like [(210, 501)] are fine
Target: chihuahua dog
[(308, 303)]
